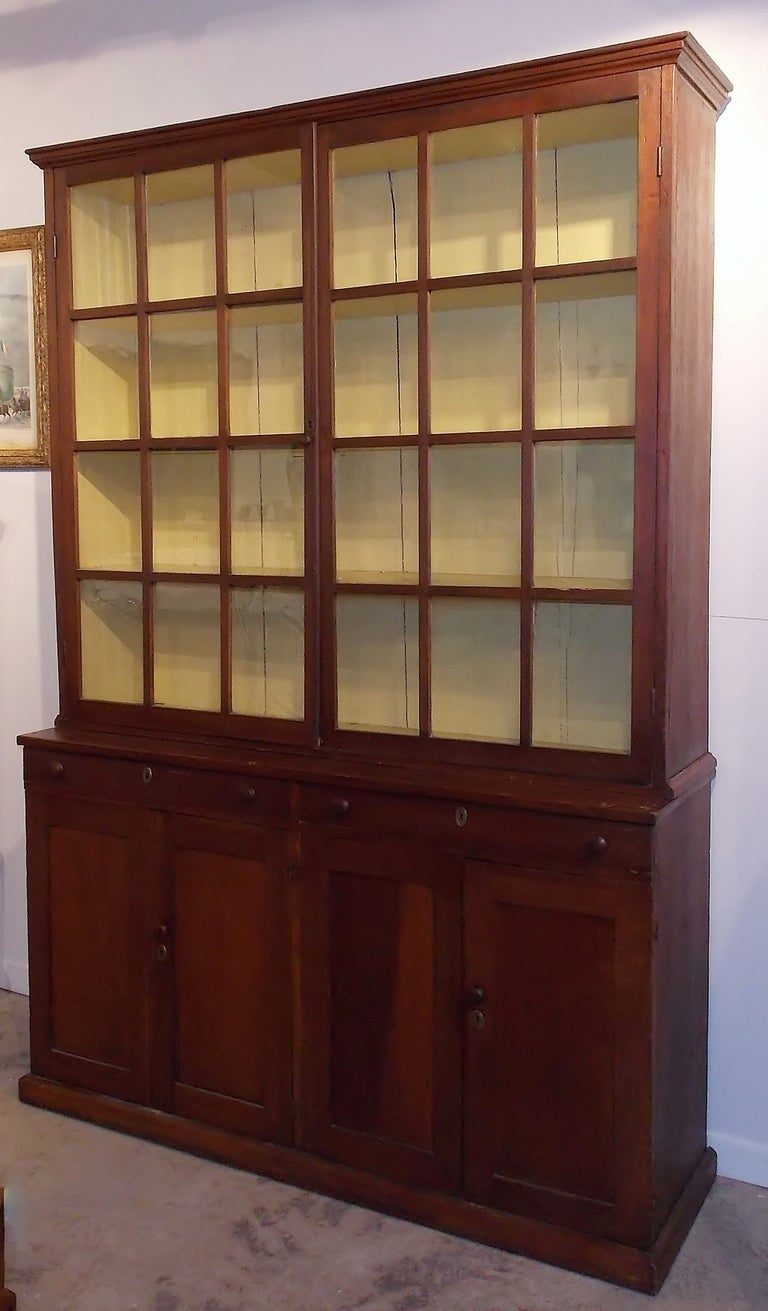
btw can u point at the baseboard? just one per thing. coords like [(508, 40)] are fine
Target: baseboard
[(14, 976), (741, 1158)]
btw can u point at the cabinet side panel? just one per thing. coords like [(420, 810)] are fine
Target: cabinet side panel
[(680, 998), (685, 412)]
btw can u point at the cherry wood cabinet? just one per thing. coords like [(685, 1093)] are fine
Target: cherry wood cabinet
[(370, 846)]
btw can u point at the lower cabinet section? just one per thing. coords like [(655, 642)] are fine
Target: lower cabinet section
[(90, 881), (556, 1101), (223, 978), (426, 1024), (381, 1040)]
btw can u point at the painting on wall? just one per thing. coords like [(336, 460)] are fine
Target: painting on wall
[(24, 441)]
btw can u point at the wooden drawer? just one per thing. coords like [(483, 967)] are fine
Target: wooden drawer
[(522, 837), (160, 787), (207, 792)]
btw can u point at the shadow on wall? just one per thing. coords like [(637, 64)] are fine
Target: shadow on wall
[(53, 31)]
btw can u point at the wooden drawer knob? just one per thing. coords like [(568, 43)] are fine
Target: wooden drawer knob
[(597, 846), (339, 807), (57, 769)]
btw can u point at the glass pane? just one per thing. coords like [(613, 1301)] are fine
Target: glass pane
[(476, 199), (586, 184), (585, 351), (475, 515), (106, 380), (377, 661), (181, 251), (185, 511), (584, 514), (582, 676), (475, 359), (476, 669), (268, 653), (376, 367), (187, 646), (377, 516), (111, 629), (374, 213), (264, 221), (103, 243), (266, 370), (109, 510), (184, 374), (267, 510)]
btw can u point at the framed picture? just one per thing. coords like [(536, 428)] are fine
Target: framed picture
[(24, 436)]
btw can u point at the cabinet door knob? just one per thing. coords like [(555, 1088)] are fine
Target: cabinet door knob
[(249, 794), (339, 807), (597, 846), (57, 768), (476, 995), (161, 950), (146, 775)]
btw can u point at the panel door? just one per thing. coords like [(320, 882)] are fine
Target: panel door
[(223, 1044), (381, 1006), (90, 883), (557, 1060)]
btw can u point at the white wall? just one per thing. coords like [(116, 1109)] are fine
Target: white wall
[(78, 68)]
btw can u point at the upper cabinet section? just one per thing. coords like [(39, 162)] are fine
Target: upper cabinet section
[(357, 416)]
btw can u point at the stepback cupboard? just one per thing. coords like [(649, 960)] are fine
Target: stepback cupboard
[(370, 847)]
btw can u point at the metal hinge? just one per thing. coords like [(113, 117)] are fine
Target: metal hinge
[(659, 154), (653, 703), (55, 245)]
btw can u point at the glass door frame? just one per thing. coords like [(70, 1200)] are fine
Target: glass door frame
[(222, 723), (635, 764)]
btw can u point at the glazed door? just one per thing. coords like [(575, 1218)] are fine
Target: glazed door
[(557, 1024), (381, 1006), (90, 878), (223, 1037)]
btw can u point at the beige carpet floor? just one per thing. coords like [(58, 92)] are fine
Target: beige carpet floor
[(98, 1221)]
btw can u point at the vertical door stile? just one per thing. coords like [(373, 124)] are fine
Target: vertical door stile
[(324, 437), (145, 433), (313, 429), (425, 429), (528, 419), (222, 337)]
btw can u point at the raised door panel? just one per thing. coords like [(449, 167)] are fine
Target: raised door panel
[(224, 1041), (89, 890), (381, 1006), (557, 1053)]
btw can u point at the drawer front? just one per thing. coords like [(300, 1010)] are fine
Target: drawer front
[(539, 840), (160, 787)]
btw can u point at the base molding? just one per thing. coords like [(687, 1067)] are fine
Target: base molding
[(631, 1267)]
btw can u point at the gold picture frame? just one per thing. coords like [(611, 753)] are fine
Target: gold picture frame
[(24, 417)]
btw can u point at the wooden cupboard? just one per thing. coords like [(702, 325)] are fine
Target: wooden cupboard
[(370, 847)]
